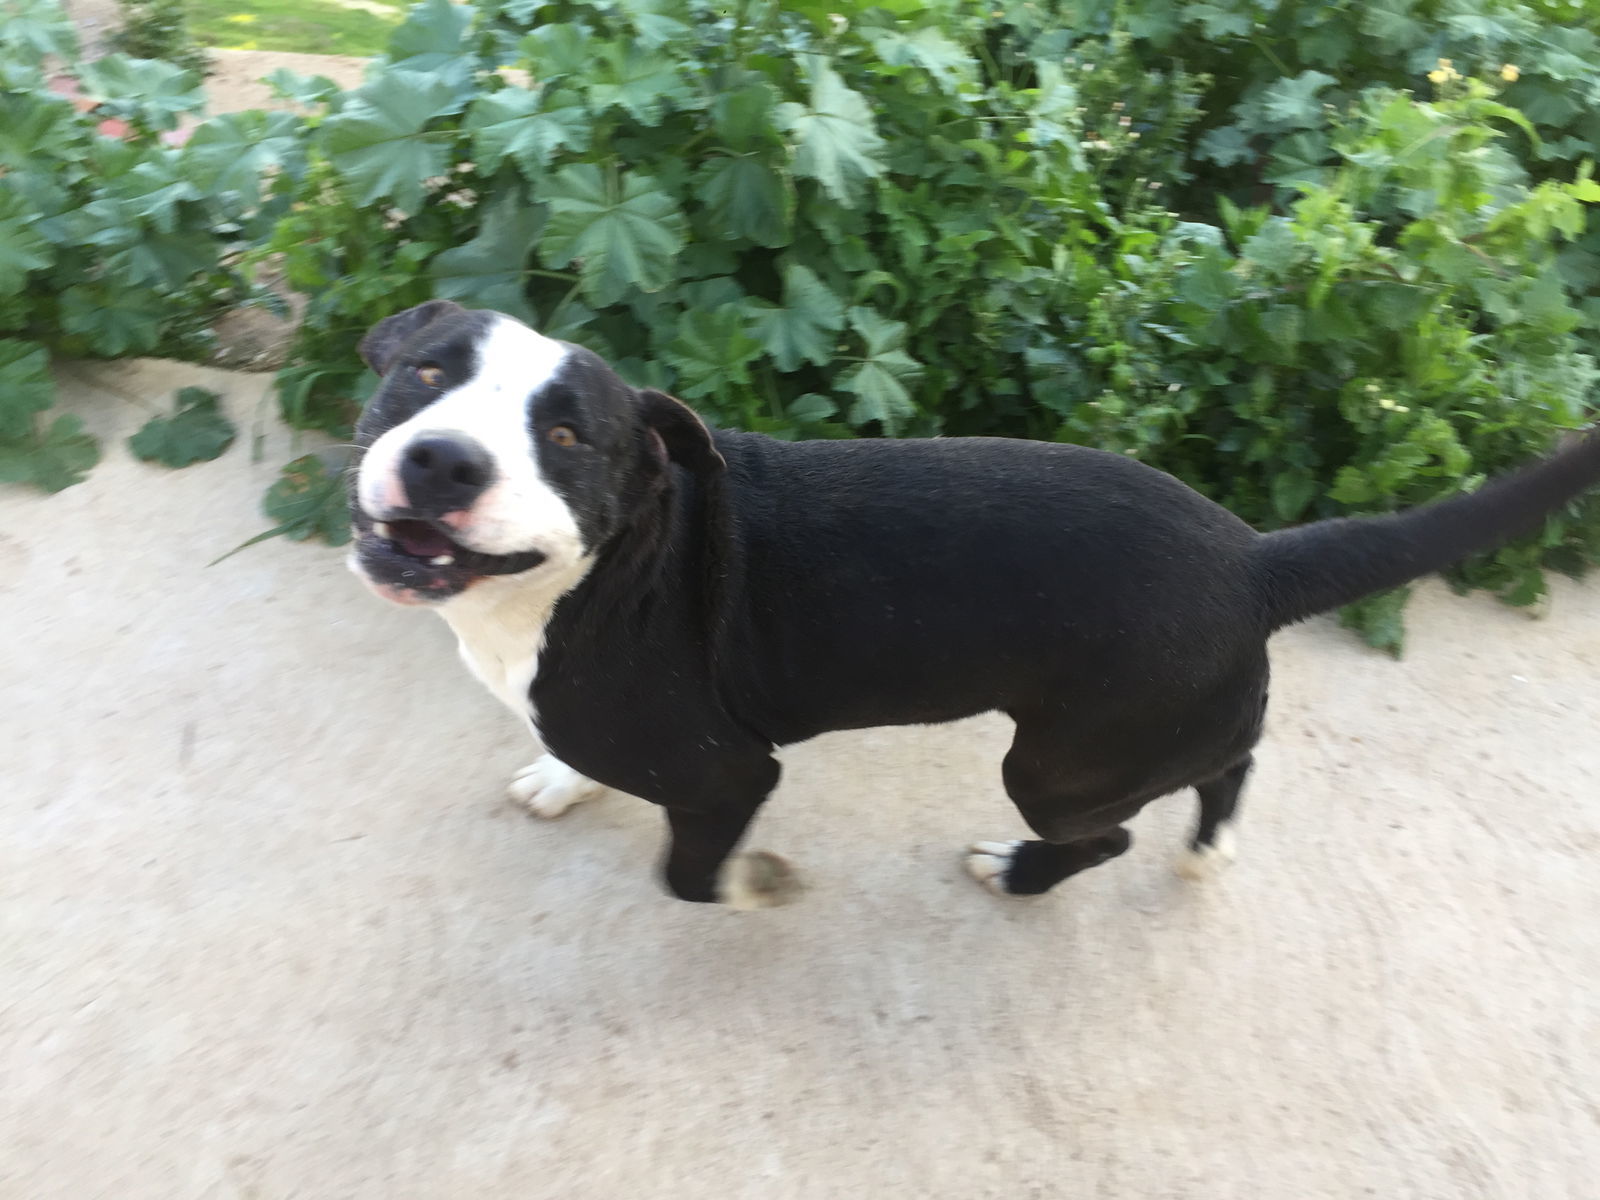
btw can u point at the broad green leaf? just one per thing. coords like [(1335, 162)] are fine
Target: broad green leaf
[(490, 270), (65, 456), (746, 198), (143, 91), (712, 352), (308, 90), (804, 328), (622, 230), (1293, 103), (1299, 159), (1292, 492), (1586, 190), (196, 431), (1274, 246), (104, 223), (169, 260), (22, 247), (232, 152), (881, 334), (1380, 620), (555, 51), (835, 141), (1391, 24), (25, 386), (114, 322), (57, 459), (811, 408), (309, 501), (879, 378), (379, 139), (641, 82), (948, 63), (36, 126), (743, 116), (1226, 146), (658, 21), (34, 29), (152, 191), (528, 126), (1219, 23), (433, 31)]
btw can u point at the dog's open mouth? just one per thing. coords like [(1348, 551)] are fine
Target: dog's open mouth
[(414, 561), (420, 540)]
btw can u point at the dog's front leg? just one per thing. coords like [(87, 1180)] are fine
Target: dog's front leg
[(700, 862)]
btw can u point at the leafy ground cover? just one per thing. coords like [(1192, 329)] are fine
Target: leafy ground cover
[(1314, 259)]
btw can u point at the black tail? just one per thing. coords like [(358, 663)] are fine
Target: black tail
[(1314, 568)]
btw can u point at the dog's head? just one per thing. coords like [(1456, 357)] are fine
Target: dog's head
[(492, 450)]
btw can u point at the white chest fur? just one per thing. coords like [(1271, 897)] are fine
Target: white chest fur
[(499, 625)]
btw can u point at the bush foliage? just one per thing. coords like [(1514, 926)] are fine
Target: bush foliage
[(112, 240), (1312, 258)]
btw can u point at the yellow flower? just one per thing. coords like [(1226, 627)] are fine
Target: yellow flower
[(1446, 63), (1437, 76), (1510, 73)]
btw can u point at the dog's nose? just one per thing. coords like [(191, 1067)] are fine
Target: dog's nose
[(443, 473)]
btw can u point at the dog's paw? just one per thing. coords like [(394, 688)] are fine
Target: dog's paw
[(988, 862), (548, 787), (1202, 862), (757, 879)]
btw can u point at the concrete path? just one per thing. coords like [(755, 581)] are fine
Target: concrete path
[(268, 931)]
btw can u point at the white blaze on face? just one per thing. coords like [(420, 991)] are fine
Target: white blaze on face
[(520, 511)]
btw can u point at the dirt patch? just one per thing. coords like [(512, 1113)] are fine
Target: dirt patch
[(235, 82), (96, 21)]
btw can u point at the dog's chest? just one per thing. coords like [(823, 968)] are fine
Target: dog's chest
[(500, 631), (505, 668)]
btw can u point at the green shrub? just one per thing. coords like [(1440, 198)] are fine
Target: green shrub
[(159, 29), (112, 242), (1252, 243)]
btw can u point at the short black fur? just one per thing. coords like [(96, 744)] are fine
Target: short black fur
[(754, 593)]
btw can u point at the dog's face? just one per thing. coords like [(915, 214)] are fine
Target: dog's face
[(492, 450)]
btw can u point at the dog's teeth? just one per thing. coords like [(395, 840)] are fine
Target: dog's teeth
[(382, 529), (444, 560)]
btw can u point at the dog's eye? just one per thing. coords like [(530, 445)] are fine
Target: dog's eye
[(431, 376), (562, 435)]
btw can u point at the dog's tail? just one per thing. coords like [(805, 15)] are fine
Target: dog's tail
[(1314, 568)]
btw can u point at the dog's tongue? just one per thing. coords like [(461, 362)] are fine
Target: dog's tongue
[(420, 540)]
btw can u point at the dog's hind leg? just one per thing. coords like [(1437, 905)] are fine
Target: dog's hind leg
[(1078, 822), (1026, 868), (1212, 847)]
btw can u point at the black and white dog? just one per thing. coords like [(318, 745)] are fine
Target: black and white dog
[(665, 604)]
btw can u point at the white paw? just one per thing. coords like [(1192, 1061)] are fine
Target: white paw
[(1208, 861), (757, 879), (987, 862), (549, 787)]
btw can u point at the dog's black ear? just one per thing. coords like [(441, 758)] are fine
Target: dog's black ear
[(387, 336), (683, 436)]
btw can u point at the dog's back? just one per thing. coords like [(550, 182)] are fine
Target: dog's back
[(882, 583)]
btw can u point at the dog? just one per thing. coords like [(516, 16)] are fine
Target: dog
[(664, 604)]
